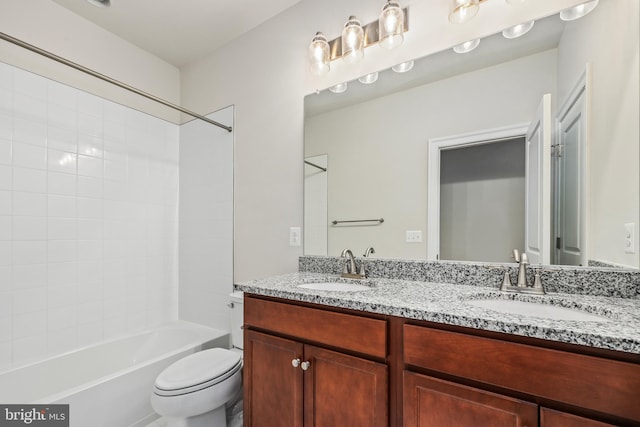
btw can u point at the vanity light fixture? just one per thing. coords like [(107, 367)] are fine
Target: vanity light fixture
[(463, 10), (339, 88), (352, 41), (518, 30), (388, 31), (403, 67), (578, 11), (368, 79), (319, 55), (391, 25), (467, 46)]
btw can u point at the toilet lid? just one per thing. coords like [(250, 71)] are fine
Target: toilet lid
[(202, 369)]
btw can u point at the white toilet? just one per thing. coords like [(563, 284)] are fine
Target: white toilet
[(194, 391)]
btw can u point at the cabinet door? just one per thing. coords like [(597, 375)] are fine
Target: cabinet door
[(342, 390), (430, 402), (273, 387), (551, 418)]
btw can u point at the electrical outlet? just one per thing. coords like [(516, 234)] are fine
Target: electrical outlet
[(630, 238), (294, 236), (414, 236)]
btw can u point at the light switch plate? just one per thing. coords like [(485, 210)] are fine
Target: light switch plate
[(414, 236), (630, 238), (294, 236)]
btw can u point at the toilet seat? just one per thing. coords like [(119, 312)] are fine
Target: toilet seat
[(197, 372)]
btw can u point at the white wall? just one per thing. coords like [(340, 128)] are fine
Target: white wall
[(614, 151), (51, 27), (206, 220), (88, 218), (364, 183), (265, 75)]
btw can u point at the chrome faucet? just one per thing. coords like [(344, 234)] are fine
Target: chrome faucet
[(350, 269), (369, 251), (521, 286)]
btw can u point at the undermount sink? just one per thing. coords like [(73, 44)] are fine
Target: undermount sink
[(535, 309), (336, 286)]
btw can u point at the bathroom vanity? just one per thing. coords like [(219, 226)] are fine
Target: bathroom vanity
[(418, 354)]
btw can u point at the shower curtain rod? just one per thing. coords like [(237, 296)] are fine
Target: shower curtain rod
[(108, 79)]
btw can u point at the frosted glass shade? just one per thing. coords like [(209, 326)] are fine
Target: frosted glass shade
[(319, 55), (352, 41), (463, 10), (391, 25)]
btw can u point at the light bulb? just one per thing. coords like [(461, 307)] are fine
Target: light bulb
[(403, 67), (339, 88), (368, 79)]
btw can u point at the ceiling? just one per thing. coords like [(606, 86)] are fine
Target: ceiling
[(179, 31)]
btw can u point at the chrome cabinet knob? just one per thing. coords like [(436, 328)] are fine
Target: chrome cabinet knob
[(305, 365), (295, 363)]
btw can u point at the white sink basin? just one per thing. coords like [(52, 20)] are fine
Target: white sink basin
[(336, 286), (535, 309)]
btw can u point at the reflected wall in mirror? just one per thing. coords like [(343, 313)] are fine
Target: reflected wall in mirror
[(374, 140)]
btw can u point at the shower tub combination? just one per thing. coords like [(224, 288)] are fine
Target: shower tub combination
[(108, 384)]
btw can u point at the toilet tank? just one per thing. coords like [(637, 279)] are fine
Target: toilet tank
[(237, 319)]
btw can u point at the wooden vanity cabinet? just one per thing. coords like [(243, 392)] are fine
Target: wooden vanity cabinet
[(306, 367), (498, 370)]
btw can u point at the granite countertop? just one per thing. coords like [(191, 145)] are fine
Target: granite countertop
[(448, 304)]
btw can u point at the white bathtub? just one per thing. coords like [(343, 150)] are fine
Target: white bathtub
[(108, 384)]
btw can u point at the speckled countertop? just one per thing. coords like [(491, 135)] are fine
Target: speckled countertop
[(449, 304)]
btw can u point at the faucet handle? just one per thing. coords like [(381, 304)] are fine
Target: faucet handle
[(506, 281), (515, 255)]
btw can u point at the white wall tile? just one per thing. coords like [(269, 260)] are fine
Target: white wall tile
[(62, 229), (6, 127), (29, 204), (6, 253), (31, 180), (61, 206), (6, 203), (29, 156), (28, 324), (5, 152), (29, 228), (62, 139), (6, 224), (29, 348), (62, 161), (62, 273), (61, 95), (29, 252), (28, 301), (30, 84), (6, 277), (61, 183), (29, 131), (62, 250), (29, 107), (89, 187), (90, 166), (88, 248), (63, 297), (29, 276), (62, 317)]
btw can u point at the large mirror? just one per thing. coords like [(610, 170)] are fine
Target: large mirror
[(529, 143)]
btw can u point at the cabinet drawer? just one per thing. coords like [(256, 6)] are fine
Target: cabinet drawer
[(345, 331), (595, 383)]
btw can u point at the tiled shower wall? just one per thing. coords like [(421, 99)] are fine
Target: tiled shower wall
[(88, 218)]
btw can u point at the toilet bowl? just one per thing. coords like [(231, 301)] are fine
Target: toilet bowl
[(193, 391)]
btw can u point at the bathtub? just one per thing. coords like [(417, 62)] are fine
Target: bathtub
[(108, 384)]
